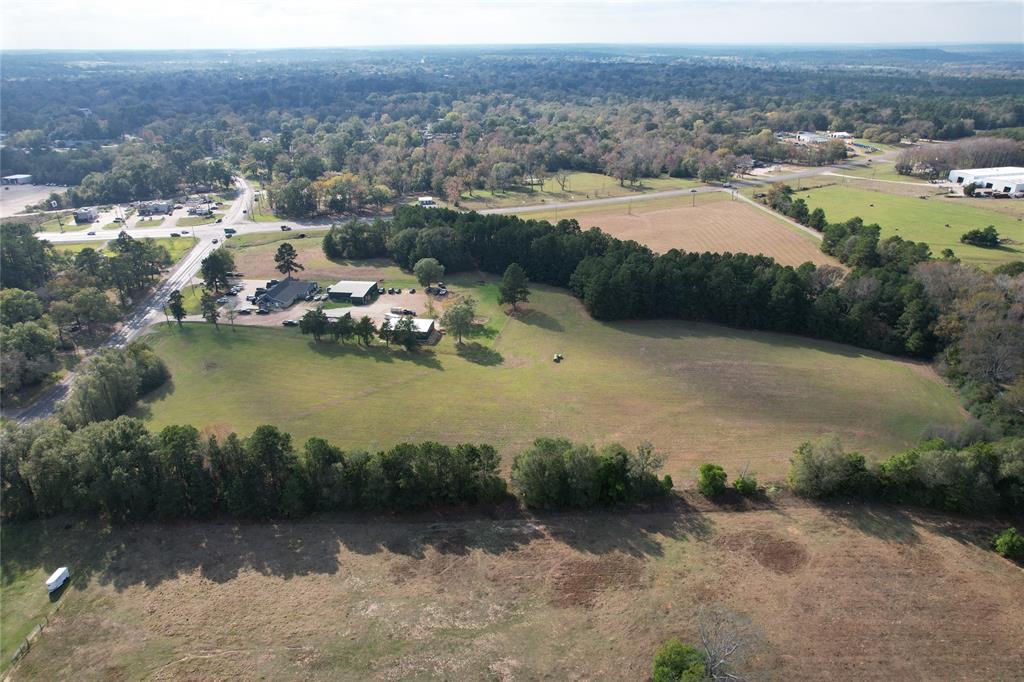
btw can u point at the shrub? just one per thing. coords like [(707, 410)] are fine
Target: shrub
[(822, 469), (988, 237), (745, 485), (1009, 544), (555, 472), (678, 662), (711, 481)]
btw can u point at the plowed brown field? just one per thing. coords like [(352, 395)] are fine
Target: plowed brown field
[(715, 224)]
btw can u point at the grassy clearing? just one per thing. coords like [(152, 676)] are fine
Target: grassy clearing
[(579, 186), (699, 222), (546, 597), (144, 223), (193, 221), (696, 391), (879, 171), (926, 219), (177, 247), (74, 247)]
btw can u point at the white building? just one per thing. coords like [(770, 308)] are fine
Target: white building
[(86, 215), (839, 135), (811, 137), (427, 202), (20, 179), (984, 177)]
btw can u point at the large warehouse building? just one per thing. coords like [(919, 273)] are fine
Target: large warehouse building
[(1009, 179)]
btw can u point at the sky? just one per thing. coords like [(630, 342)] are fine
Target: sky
[(261, 24)]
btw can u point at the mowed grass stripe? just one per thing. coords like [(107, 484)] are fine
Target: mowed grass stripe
[(696, 391)]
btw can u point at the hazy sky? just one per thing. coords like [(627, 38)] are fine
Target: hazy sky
[(28, 24)]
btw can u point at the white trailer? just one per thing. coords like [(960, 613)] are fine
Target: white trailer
[(57, 579)]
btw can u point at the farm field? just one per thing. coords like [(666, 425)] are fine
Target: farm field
[(696, 391), (578, 187), (866, 593), (926, 219), (715, 223)]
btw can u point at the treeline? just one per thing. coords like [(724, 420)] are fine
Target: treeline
[(121, 471), (625, 280), (975, 319), (983, 477), (935, 161)]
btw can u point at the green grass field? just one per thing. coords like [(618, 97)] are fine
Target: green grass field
[(176, 247), (579, 186), (74, 247), (924, 220), (696, 391), (192, 221), (879, 171)]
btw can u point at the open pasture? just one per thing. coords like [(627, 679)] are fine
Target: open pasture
[(937, 221), (698, 392), (866, 593)]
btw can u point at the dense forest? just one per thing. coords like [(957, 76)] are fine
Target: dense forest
[(332, 131)]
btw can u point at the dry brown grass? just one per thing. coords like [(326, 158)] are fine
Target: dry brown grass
[(868, 593), (715, 224)]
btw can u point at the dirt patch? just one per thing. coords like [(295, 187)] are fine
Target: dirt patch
[(771, 551), (579, 582)]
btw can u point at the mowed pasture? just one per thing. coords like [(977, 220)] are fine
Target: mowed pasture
[(703, 222), (862, 592), (579, 186), (926, 220), (698, 392)]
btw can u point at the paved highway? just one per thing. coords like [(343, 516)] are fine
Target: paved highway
[(150, 309)]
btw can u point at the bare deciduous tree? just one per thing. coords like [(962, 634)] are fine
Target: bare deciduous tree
[(726, 639)]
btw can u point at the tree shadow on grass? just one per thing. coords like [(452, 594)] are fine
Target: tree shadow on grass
[(479, 354), (151, 553), (330, 349), (890, 524), (538, 318)]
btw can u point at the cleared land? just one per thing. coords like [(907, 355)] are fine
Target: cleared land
[(866, 593), (176, 247), (715, 223), (579, 186), (696, 391), (926, 220)]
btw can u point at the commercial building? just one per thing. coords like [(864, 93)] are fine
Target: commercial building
[(356, 292), (839, 135), (985, 178), (156, 208), (19, 179), (286, 292), (86, 215), (811, 137)]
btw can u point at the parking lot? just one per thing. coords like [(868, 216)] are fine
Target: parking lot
[(419, 302)]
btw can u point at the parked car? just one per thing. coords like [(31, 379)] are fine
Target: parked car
[(290, 323), (442, 292), (232, 292), (412, 291), (245, 311), (272, 282), (222, 300), (397, 290), (220, 220), (285, 228), (429, 290), (250, 299), (184, 231), (381, 290), (175, 234), (262, 311), (409, 312)]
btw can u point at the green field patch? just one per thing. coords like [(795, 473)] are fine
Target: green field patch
[(192, 221), (937, 221), (696, 391), (579, 186)]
